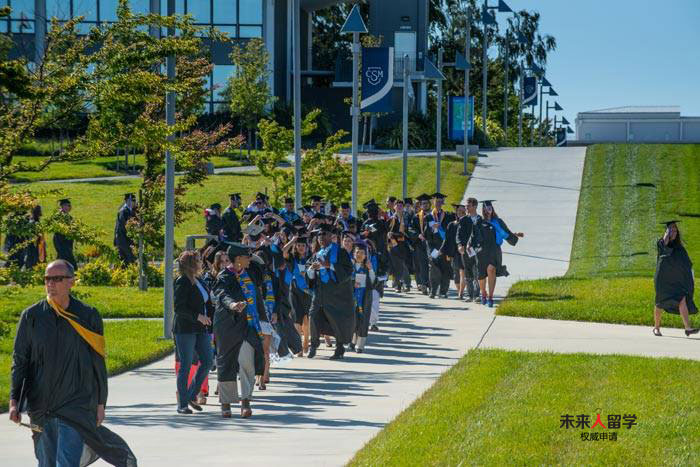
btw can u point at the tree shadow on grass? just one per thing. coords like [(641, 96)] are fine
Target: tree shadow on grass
[(539, 296)]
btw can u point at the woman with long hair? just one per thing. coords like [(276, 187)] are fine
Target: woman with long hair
[(673, 279), (364, 278), (296, 254), (486, 239), (192, 305)]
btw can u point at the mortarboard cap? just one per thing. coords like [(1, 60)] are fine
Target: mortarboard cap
[(345, 205), (369, 203), (438, 195), (408, 200), (668, 223), (323, 228), (129, 196), (261, 196), (237, 249), (399, 200), (234, 196), (391, 199), (423, 197), (288, 200), (457, 205), (315, 198), (487, 202), (63, 201), (215, 206)]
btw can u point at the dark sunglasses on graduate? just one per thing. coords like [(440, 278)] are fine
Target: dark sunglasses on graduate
[(48, 279)]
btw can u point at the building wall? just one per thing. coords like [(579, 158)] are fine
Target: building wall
[(691, 131), (602, 131), (654, 131), (647, 130)]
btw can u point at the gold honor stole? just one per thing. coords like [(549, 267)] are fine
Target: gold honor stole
[(94, 340)]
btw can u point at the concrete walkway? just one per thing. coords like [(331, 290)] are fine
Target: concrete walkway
[(318, 412), (536, 192)]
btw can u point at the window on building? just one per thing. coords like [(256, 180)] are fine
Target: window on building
[(21, 17), (220, 76), (250, 11)]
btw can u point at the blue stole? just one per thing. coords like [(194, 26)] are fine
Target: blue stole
[(500, 233), (359, 292), (329, 253), (251, 297), (298, 277), (269, 297)]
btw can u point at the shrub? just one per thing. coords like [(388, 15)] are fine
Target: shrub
[(496, 135), (95, 273)]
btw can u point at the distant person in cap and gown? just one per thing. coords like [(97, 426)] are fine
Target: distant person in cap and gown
[(449, 249), (674, 280), (439, 268), (231, 222), (464, 232), (121, 239), (62, 243), (287, 212), (420, 247), (214, 222)]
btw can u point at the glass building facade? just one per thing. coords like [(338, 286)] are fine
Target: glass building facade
[(239, 19)]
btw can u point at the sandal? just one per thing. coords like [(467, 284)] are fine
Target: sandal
[(657, 332), (226, 410)]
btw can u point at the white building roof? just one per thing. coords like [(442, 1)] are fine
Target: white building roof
[(639, 109)]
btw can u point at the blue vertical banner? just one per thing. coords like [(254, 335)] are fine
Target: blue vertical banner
[(377, 79), (561, 136), (530, 90), (455, 120)]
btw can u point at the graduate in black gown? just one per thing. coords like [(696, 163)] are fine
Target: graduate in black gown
[(214, 224), (420, 248), (364, 280), (449, 249), (230, 220), (62, 243), (464, 232), (121, 239), (673, 279), (439, 268), (296, 255), (486, 240), (399, 250), (374, 228), (329, 273)]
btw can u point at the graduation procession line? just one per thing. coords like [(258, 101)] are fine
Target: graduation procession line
[(318, 412)]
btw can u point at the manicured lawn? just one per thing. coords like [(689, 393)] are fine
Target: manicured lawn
[(504, 408), (97, 203), (103, 167), (111, 302), (610, 277)]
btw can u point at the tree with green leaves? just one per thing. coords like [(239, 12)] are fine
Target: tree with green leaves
[(248, 91), (128, 86)]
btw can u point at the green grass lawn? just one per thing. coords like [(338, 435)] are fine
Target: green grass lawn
[(102, 167), (97, 203), (111, 302), (613, 257), (129, 343), (504, 408)]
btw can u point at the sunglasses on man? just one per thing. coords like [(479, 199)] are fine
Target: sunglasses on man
[(48, 279)]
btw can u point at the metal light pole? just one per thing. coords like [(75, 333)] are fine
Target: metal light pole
[(438, 125), (520, 108), (467, 56), (355, 115), (168, 297), (484, 71), (406, 84), (355, 25), (505, 87), (297, 102)]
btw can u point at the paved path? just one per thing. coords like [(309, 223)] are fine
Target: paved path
[(317, 412), (536, 192)]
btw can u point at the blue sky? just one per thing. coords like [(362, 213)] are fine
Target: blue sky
[(621, 52)]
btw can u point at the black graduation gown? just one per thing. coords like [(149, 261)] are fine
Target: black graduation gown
[(464, 233), (483, 240), (121, 239), (449, 249), (232, 225), (439, 269), (400, 252), (378, 237), (214, 225), (332, 304), (231, 328), (64, 246), (64, 377), (363, 315), (673, 278), (300, 299), (420, 249)]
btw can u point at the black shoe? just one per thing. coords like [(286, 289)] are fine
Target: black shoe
[(425, 291), (691, 331), (443, 295), (312, 352), (351, 346), (432, 295), (360, 350), (213, 369), (374, 328), (338, 354), (195, 406), (185, 411)]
